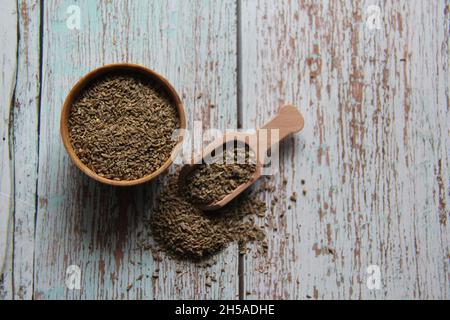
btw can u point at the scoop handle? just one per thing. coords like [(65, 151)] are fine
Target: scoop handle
[(288, 120)]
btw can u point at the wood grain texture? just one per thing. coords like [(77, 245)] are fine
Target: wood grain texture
[(99, 228), (374, 154), (25, 132), (373, 158), (8, 61)]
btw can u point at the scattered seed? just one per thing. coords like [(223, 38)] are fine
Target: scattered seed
[(186, 232), (293, 197)]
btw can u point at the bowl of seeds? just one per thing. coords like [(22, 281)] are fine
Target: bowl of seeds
[(120, 124)]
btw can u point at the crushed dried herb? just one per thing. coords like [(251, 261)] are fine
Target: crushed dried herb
[(121, 126), (186, 232), (210, 182)]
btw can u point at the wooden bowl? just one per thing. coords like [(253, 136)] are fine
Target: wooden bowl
[(95, 74)]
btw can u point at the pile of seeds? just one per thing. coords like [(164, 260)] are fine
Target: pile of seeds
[(121, 126), (189, 233), (211, 182)]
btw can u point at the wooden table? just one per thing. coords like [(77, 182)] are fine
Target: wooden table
[(374, 154)]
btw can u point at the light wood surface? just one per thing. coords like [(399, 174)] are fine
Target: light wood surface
[(371, 168), (374, 153)]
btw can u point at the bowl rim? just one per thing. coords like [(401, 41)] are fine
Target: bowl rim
[(88, 78)]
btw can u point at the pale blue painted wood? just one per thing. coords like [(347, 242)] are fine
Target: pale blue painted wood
[(374, 154), (374, 151), (18, 145), (8, 62), (80, 222), (25, 132)]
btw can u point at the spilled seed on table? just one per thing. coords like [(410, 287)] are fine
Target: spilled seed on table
[(186, 232)]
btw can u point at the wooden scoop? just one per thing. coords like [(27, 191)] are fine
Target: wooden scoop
[(287, 121)]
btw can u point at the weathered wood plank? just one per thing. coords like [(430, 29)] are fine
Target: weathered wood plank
[(373, 155), (8, 62), (25, 132), (97, 227)]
